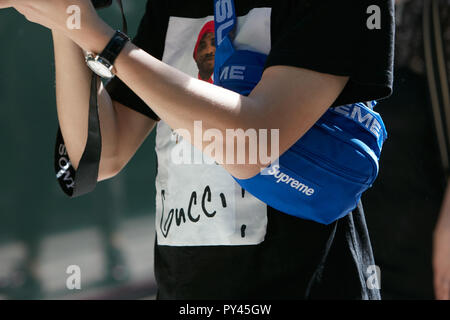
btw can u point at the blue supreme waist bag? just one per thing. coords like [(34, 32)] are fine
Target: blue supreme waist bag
[(323, 175)]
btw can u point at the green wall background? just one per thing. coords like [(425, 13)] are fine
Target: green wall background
[(31, 203)]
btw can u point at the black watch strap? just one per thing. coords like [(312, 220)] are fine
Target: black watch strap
[(114, 47)]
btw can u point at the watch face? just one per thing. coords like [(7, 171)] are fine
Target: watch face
[(100, 69)]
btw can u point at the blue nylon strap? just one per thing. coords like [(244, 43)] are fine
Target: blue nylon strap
[(241, 72), (224, 23), (225, 19)]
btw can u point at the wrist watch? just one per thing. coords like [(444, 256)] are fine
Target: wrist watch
[(103, 64)]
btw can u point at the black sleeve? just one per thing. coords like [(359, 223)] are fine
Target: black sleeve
[(150, 38), (334, 37)]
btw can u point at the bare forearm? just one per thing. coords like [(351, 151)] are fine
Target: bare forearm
[(73, 81), (181, 100), (172, 93)]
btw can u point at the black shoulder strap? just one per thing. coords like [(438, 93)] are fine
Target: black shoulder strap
[(84, 179), (437, 78)]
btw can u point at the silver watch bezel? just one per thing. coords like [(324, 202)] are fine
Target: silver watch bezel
[(92, 59)]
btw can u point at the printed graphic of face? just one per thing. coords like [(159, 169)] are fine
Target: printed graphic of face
[(205, 50), (205, 54)]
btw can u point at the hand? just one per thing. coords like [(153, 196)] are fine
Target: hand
[(93, 33), (48, 13)]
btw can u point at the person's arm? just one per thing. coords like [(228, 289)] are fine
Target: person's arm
[(289, 99), (441, 251), (123, 129)]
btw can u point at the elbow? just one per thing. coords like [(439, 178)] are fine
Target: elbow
[(249, 151), (109, 169), (103, 176), (243, 172)]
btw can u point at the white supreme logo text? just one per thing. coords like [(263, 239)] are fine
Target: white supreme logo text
[(294, 183)]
